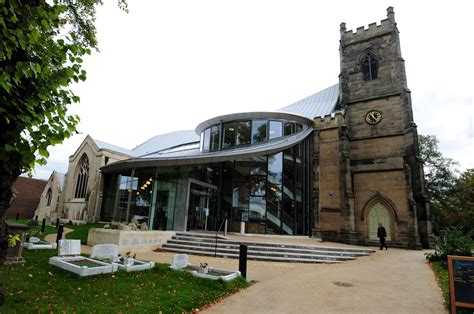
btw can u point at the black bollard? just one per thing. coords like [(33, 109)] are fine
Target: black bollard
[(57, 223), (17, 216), (243, 260), (43, 225), (59, 236)]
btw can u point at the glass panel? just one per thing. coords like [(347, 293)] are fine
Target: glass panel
[(206, 140), (258, 165), (288, 217), (259, 131), (215, 130), (241, 194), (289, 128), (276, 129), (257, 209), (257, 186), (227, 178), (243, 133), (275, 168), (229, 135), (288, 174), (299, 127)]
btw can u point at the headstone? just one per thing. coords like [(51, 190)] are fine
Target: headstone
[(179, 261), (144, 227), (108, 251), (134, 220), (34, 240), (69, 247), (107, 226), (133, 226), (124, 228)]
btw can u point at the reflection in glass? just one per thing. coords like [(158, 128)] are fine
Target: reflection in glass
[(258, 165), (257, 208), (275, 168), (257, 185), (289, 128), (215, 130), (243, 133), (276, 129), (299, 127), (229, 135), (206, 140), (259, 131)]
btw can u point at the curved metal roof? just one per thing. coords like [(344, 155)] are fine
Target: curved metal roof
[(195, 156), (164, 141), (319, 104)]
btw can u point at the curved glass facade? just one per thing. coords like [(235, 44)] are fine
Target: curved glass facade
[(269, 193), (245, 132)]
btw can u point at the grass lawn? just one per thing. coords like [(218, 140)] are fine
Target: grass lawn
[(39, 287), (81, 231)]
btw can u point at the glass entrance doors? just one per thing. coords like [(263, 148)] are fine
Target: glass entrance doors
[(202, 206)]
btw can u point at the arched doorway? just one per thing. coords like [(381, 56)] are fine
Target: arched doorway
[(379, 214)]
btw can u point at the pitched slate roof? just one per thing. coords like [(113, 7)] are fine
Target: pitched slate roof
[(319, 104)]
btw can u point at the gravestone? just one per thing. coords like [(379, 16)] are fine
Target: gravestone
[(179, 261), (69, 247), (108, 251), (34, 240)]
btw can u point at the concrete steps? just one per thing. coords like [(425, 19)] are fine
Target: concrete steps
[(205, 244)]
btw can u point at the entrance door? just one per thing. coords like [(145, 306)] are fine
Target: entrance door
[(379, 214), (202, 206)]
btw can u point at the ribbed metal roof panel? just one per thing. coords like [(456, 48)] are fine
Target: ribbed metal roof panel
[(115, 148), (319, 104), (163, 141)]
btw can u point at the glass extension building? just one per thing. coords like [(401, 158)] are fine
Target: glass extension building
[(253, 169)]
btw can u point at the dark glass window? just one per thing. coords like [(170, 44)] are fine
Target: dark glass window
[(259, 131), (229, 135), (288, 217), (370, 67), (289, 128), (206, 140), (299, 127), (257, 185), (275, 168), (215, 130), (49, 195), (82, 178), (257, 208), (243, 133), (258, 165), (276, 129)]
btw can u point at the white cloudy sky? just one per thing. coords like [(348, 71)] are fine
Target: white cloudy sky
[(169, 65)]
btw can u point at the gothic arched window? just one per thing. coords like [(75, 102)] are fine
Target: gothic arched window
[(370, 66), (82, 177), (49, 196)]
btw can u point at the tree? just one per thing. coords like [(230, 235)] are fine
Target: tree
[(41, 49)]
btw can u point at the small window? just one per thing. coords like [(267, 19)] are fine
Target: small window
[(243, 133), (215, 130), (229, 135), (370, 67), (289, 128), (206, 140), (276, 129), (49, 195), (259, 131)]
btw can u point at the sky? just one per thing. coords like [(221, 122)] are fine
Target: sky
[(169, 65)]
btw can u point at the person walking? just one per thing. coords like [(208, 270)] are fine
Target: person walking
[(382, 234)]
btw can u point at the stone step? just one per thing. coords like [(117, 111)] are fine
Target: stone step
[(253, 257), (253, 252), (210, 239), (258, 247)]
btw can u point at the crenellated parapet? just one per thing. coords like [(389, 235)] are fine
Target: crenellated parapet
[(333, 120), (387, 25)]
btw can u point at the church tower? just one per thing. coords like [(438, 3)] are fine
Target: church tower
[(378, 177)]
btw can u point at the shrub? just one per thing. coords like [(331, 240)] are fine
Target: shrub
[(451, 241)]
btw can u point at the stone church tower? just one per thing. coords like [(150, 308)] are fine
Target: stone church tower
[(365, 156)]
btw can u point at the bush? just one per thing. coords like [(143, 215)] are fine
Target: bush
[(451, 241)]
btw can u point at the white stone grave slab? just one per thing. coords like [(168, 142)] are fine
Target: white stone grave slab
[(107, 251), (179, 261), (34, 240), (69, 247)]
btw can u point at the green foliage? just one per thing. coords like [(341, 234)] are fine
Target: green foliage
[(451, 241), (82, 231), (39, 287), (13, 239), (441, 273)]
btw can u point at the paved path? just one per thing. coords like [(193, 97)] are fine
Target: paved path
[(393, 281)]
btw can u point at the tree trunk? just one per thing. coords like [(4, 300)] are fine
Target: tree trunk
[(6, 195)]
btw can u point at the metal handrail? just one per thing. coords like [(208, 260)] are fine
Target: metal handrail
[(217, 231)]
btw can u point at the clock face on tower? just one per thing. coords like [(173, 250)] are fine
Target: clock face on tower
[(373, 117)]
